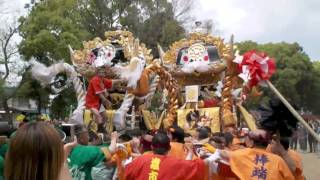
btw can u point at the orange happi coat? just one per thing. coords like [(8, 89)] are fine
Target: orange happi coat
[(298, 175), (256, 164), (298, 162)]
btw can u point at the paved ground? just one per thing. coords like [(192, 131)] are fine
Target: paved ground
[(311, 165)]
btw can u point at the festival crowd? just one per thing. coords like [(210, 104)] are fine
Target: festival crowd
[(301, 139), (36, 151)]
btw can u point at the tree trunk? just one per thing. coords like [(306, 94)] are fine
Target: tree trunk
[(6, 108), (39, 104)]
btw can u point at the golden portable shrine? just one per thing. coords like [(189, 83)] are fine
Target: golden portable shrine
[(198, 81), (197, 78)]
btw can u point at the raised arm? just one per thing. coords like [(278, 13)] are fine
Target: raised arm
[(113, 144)]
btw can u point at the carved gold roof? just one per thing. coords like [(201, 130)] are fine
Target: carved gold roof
[(131, 46), (225, 52)]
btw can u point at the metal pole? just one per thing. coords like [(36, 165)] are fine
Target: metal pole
[(293, 111)]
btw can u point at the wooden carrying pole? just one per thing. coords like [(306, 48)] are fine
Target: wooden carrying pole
[(293, 111)]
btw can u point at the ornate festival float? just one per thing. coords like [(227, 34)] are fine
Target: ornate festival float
[(122, 57), (202, 81), (199, 66)]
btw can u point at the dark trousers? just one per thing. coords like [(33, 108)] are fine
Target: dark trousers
[(311, 143), (293, 143)]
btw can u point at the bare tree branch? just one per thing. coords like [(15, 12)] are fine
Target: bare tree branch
[(7, 51), (182, 10), (12, 53)]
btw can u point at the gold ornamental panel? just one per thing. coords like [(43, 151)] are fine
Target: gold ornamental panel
[(207, 117)]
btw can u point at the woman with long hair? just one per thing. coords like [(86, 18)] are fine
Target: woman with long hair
[(36, 152)]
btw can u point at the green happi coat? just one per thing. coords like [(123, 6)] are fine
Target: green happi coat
[(1, 167), (88, 163), (3, 150)]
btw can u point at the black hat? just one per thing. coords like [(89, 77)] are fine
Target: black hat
[(275, 117)]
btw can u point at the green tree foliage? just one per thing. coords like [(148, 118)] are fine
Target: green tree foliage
[(151, 21), (53, 24), (160, 26), (46, 32), (48, 29), (31, 88), (296, 74), (61, 101), (314, 96)]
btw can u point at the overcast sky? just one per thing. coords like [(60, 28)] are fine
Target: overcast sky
[(258, 20), (267, 21)]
